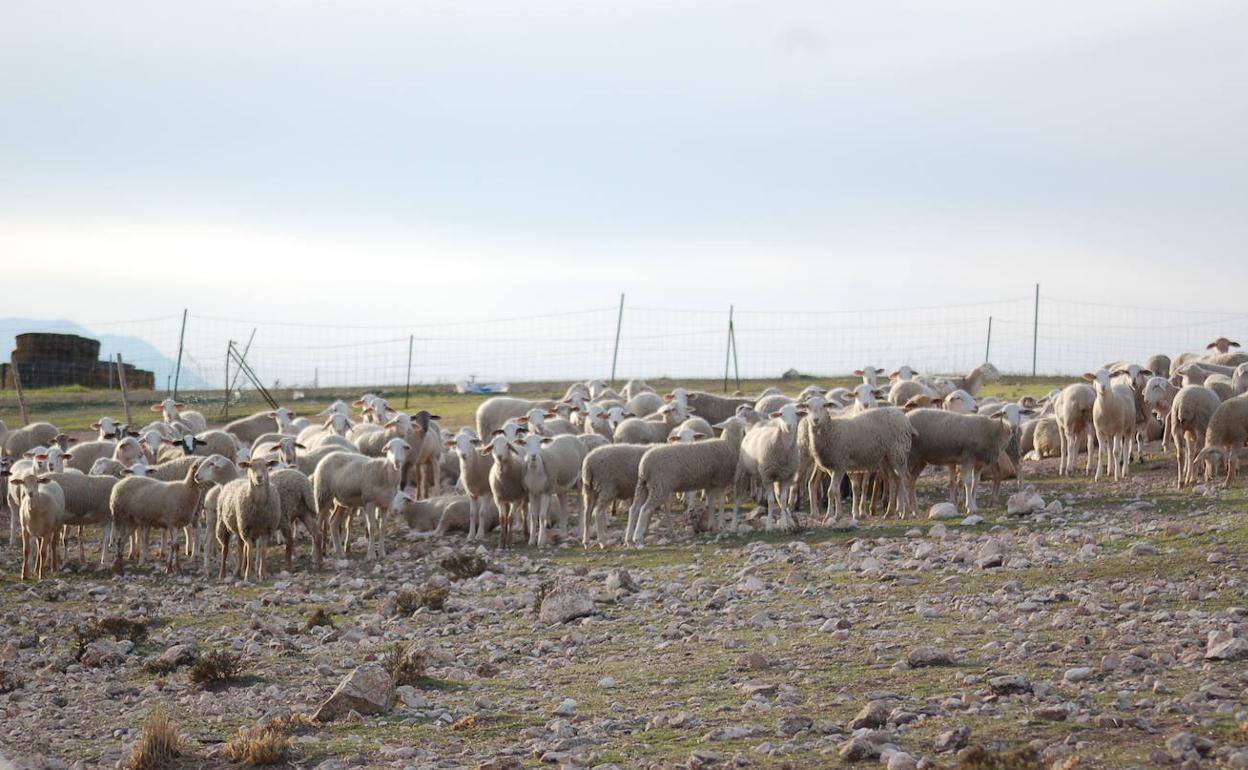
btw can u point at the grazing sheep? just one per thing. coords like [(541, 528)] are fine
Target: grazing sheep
[(249, 509), (17, 442), (474, 476), (138, 501), (972, 442), (346, 482), (1073, 409), (769, 456), (608, 475), (1193, 408), (877, 440), (709, 465), (552, 466), (42, 514)]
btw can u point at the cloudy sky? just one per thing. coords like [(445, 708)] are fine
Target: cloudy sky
[(495, 157)]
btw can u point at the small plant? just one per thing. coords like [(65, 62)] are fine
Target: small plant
[(409, 600), (405, 665), (158, 744), (464, 565), (10, 681), (216, 669), (979, 758), (539, 596), (257, 746), (159, 667), (319, 618), (294, 723), (115, 626)]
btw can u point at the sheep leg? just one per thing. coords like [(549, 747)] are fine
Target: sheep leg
[(504, 524), (224, 541), (601, 519), (380, 514), (782, 489), (1087, 470), (542, 510), (640, 496), (590, 504), (970, 480), (120, 536), (643, 517), (370, 528), (262, 553), (244, 547)]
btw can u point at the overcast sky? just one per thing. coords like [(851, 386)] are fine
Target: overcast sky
[(492, 157)]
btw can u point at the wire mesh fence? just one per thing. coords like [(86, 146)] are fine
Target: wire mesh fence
[(1061, 336)]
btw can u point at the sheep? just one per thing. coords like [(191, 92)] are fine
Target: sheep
[(874, 440), (86, 500), (347, 481), (694, 425), (495, 411), (592, 441), (769, 455), (1012, 414), (552, 466), (869, 375), (902, 390), (202, 444), (972, 442), (1222, 345), (248, 429), (506, 483), (1073, 408), (250, 509), (1041, 438), (772, 403), (335, 425), (307, 461), (426, 444), (109, 466), (647, 402), (139, 501), (709, 465), (434, 516), (708, 406), (1159, 365), (42, 514), (1136, 377), (1226, 359), (960, 402), (17, 442), (1158, 395), (175, 414), (285, 448), (608, 474), (651, 430), (1226, 433), (1193, 408), (474, 475), (298, 503), (88, 452), (1113, 418)]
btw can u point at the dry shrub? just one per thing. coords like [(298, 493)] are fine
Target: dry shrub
[(405, 665), (409, 600), (464, 565), (216, 669), (320, 617), (10, 681), (115, 626), (979, 758), (257, 746), (157, 746), (467, 723), (539, 596)]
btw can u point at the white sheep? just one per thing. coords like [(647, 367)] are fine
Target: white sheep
[(552, 466), (1113, 417), (506, 484), (138, 501), (346, 482), (960, 402), (971, 442), (42, 514), (474, 476), (175, 414), (769, 456), (1073, 409), (448, 513), (17, 442), (1193, 408), (608, 475), (249, 509), (877, 440), (495, 411)]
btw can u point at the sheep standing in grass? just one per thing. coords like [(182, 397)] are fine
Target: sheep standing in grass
[(709, 465), (608, 475), (877, 440), (1113, 417), (14, 444), (971, 442), (42, 514), (346, 482), (298, 502), (138, 501), (493, 412), (506, 484), (1193, 408), (1073, 409), (770, 456), (1226, 434), (552, 466), (474, 476), (249, 509)]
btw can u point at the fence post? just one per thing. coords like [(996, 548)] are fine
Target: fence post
[(407, 391), (736, 364), (728, 349), (125, 392), (225, 394), (988, 344), (177, 373), (615, 354), (1035, 331), (21, 395)]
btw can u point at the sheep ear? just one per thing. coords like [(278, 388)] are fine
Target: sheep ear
[(299, 446), (774, 414), (673, 439), (358, 402), (16, 482), (474, 441), (879, 371), (1211, 346), (1089, 377), (67, 455), (857, 372), (546, 441), (448, 444), (95, 426), (1146, 372), (179, 405), (43, 479), (487, 449), (244, 463), (41, 456), (156, 408), (434, 417), (699, 436), (668, 397)]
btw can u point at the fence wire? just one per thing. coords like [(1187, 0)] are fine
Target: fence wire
[(1071, 337)]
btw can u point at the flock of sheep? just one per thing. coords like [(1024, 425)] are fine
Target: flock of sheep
[(529, 463)]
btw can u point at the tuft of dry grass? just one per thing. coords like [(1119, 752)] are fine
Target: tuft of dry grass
[(158, 744), (979, 758), (464, 565), (216, 669), (257, 746), (320, 617), (431, 597), (115, 626), (405, 665), (467, 723), (539, 596)]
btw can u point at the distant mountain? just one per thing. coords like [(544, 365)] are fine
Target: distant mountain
[(134, 350)]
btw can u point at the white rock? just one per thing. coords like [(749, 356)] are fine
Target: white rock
[(945, 510)]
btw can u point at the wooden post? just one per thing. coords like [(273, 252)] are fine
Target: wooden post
[(21, 396), (177, 373), (125, 393), (615, 355)]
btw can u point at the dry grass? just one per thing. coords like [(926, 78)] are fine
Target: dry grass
[(464, 565), (979, 758), (158, 745), (216, 669), (320, 617), (257, 746), (405, 665), (431, 597)]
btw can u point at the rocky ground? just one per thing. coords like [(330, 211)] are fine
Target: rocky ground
[(1106, 631)]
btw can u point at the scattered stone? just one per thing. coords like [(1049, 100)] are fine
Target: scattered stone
[(620, 580), (874, 714), (1024, 503), (566, 708), (366, 690), (1225, 645), (1010, 684), (858, 748), (945, 510), (920, 657), (952, 740), (1080, 674), (792, 725), (564, 603)]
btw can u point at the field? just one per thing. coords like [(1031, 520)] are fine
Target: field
[(1073, 637)]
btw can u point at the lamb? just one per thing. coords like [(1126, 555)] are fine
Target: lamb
[(175, 413), (608, 474), (506, 483), (874, 440), (298, 503), (251, 510), (1073, 409), (437, 515), (552, 466), (138, 501), (1041, 438), (17, 442), (709, 465), (426, 444), (344, 482), (972, 442), (769, 455), (474, 476), (1113, 418), (42, 514), (248, 429), (1193, 408), (495, 411)]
